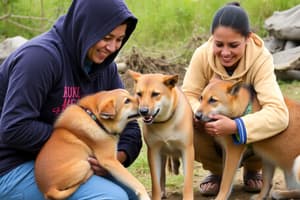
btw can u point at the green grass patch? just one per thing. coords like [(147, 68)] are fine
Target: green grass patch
[(163, 24), (291, 89), (141, 171)]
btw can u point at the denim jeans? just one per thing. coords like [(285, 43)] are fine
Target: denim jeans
[(19, 184)]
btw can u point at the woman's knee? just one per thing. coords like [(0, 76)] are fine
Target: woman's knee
[(97, 188)]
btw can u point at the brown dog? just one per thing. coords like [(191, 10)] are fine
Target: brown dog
[(89, 128), (167, 128), (283, 150)]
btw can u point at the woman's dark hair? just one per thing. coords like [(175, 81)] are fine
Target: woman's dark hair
[(232, 16)]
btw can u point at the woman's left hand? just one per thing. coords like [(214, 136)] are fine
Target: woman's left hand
[(98, 169), (221, 125)]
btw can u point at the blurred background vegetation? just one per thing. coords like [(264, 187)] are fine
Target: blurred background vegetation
[(168, 29), (163, 24)]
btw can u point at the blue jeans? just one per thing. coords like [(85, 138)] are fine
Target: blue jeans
[(19, 184)]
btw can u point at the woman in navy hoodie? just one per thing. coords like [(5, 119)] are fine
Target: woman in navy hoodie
[(73, 59)]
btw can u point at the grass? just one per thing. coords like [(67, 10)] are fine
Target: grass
[(169, 23), (163, 24), (290, 89), (141, 170)]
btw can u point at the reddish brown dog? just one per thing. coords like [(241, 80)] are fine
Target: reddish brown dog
[(282, 150)]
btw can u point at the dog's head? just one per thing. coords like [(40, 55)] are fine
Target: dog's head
[(114, 109), (156, 95), (223, 97)]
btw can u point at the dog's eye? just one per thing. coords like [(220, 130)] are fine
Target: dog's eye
[(155, 94), (127, 101), (139, 94), (212, 100)]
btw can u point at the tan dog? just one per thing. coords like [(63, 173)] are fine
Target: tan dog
[(89, 128), (282, 150), (167, 128)]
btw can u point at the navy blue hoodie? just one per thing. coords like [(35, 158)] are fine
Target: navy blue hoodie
[(47, 73)]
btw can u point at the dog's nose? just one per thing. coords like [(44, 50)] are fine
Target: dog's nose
[(198, 115), (144, 110)]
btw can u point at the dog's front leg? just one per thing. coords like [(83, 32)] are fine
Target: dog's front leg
[(233, 156), (188, 166), (109, 161), (163, 176), (118, 171), (155, 164), (268, 170)]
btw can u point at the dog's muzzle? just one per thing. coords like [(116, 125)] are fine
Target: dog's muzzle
[(199, 116), (147, 117)]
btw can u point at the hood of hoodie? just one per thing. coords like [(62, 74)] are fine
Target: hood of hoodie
[(89, 21), (253, 50)]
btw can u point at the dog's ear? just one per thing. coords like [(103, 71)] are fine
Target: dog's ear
[(134, 75), (107, 110), (235, 88), (170, 80)]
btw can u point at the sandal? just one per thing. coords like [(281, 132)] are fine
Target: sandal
[(210, 185), (255, 177)]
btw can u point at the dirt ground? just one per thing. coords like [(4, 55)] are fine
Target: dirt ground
[(237, 192)]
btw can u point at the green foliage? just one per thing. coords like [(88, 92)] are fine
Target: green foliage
[(29, 18), (162, 23), (169, 23), (290, 89), (141, 169)]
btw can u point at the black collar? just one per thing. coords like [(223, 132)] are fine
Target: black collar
[(171, 116), (93, 116)]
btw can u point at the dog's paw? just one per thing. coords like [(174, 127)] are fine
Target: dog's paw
[(144, 197), (285, 194)]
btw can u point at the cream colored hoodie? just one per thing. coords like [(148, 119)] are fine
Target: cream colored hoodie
[(255, 68)]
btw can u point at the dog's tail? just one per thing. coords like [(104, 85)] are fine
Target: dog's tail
[(54, 193), (173, 164), (296, 169)]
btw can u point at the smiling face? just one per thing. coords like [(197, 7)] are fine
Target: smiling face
[(229, 45), (108, 45)]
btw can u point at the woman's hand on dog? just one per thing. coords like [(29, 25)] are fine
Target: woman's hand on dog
[(220, 125), (98, 169)]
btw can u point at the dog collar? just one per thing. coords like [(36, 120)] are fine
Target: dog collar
[(248, 108), (93, 116), (171, 116)]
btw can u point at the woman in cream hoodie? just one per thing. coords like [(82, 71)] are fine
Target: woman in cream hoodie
[(234, 53)]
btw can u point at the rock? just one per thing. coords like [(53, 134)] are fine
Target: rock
[(122, 67), (288, 75), (274, 45), (9, 45), (285, 24), (290, 44), (287, 59)]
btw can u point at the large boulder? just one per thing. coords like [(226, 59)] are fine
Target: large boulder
[(9, 45), (285, 24), (287, 59)]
